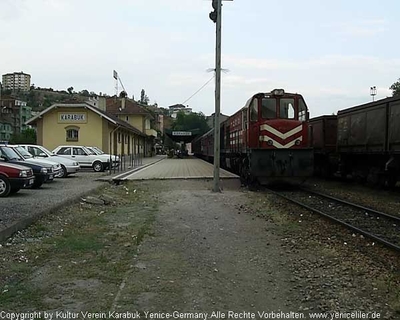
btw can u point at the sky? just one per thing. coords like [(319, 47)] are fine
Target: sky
[(331, 52)]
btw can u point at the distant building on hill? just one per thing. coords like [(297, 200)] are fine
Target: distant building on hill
[(174, 109), (16, 81)]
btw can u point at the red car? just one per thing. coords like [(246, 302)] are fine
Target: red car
[(13, 177)]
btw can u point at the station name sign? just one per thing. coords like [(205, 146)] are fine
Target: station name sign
[(182, 133), (79, 117)]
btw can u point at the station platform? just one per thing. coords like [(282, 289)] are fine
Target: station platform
[(189, 168)]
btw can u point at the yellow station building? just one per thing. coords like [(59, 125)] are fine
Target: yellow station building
[(86, 125)]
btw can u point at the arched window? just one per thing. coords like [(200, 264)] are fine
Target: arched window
[(72, 133)]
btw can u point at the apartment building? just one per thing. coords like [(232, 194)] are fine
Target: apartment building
[(13, 115), (16, 81)]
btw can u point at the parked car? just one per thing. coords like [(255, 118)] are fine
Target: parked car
[(68, 166), (85, 157), (98, 151), (14, 177), (41, 172), (55, 170)]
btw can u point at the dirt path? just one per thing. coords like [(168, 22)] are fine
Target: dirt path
[(206, 256), (165, 246)]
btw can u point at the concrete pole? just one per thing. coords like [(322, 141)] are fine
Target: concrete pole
[(217, 150)]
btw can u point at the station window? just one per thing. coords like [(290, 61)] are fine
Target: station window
[(72, 133)]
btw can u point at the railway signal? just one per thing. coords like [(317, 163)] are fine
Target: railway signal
[(214, 14)]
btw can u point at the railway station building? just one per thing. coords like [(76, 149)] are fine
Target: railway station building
[(84, 124)]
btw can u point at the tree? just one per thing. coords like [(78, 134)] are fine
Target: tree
[(144, 99), (123, 94), (70, 90), (395, 88), (26, 136), (191, 121), (84, 92)]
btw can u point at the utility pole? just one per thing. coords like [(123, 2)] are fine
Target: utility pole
[(216, 16)]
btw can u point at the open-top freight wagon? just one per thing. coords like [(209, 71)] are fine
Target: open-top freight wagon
[(367, 143)]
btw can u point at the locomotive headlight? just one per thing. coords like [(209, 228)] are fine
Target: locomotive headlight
[(270, 142), (297, 142)]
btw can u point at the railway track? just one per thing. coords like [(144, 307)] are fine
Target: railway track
[(379, 226)]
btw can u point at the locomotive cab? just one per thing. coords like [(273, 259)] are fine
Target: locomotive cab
[(277, 137)]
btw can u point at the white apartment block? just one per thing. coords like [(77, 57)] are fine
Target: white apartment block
[(17, 80)]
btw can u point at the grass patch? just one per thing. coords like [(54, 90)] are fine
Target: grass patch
[(79, 242), (79, 255)]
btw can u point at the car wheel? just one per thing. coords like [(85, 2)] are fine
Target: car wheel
[(5, 187), (64, 172), (14, 190), (98, 166)]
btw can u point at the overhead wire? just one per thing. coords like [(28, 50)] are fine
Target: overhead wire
[(199, 89)]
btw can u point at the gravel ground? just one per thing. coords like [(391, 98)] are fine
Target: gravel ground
[(32, 202), (236, 251)]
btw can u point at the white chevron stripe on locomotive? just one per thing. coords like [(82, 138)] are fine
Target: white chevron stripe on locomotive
[(278, 145), (280, 134)]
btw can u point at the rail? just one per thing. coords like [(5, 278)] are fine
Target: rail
[(362, 222)]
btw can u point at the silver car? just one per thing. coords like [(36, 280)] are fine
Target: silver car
[(68, 166)]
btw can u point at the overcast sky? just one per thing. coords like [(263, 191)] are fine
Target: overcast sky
[(331, 52)]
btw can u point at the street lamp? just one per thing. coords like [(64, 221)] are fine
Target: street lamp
[(373, 92)]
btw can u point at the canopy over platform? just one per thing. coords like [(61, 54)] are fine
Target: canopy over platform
[(182, 136)]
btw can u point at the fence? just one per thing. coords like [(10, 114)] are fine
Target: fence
[(126, 162)]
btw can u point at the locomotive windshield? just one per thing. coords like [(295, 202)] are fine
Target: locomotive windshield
[(286, 109), (268, 108), (282, 108)]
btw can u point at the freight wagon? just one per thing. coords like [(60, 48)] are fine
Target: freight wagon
[(368, 141)]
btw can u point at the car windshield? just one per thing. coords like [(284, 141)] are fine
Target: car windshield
[(90, 150), (99, 151), (9, 153), (44, 150), (23, 152)]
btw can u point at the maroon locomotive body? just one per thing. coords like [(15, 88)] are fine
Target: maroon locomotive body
[(265, 141)]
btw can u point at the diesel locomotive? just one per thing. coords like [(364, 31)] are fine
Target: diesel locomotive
[(266, 141)]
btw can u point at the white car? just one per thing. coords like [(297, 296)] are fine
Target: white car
[(84, 157), (54, 167), (68, 166), (95, 150)]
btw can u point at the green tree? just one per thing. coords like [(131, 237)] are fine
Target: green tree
[(84, 93), (70, 90), (395, 87), (26, 136), (191, 121)]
